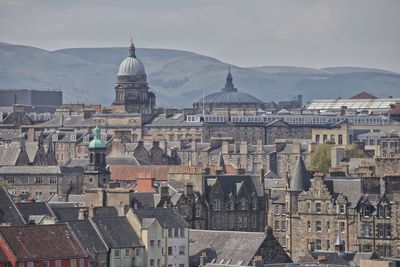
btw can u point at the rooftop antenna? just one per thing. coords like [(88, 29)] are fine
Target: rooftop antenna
[(203, 103)]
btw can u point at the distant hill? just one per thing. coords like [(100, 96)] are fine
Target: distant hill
[(178, 77)]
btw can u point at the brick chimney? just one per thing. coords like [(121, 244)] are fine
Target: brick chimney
[(144, 182)]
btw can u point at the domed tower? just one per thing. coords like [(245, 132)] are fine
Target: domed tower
[(131, 90), (97, 174)]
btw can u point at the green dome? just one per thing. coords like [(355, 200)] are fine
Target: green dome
[(97, 142)]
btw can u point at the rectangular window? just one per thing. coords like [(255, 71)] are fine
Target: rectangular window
[(151, 243), (198, 212), (58, 263), (169, 251), (283, 225), (151, 262), (277, 225), (318, 244), (53, 180), (181, 265), (276, 209), (38, 180), (81, 262), (25, 180), (182, 232), (30, 264), (318, 226), (39, 195), (127, 252), (342, 227), (328, 226), (318, 207), (73, 263), (181, 250), (176, 232), (158, 242), (243, 204), (328, 244), (342, 209), (10, 180), (137, 252), (170, 232), (21, 264), (308, 226), (45, 264), (117, 254)]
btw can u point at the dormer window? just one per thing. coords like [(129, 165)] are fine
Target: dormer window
[(231, 204), (243, 204), (366, 211)]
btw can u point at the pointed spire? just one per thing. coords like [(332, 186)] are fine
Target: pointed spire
[(300, 180), (132, 49), (221, 169), (229, 81)]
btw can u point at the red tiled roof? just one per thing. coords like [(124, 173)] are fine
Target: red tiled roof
[(363, 95), (229, 169), (131, 172), (31, 242)]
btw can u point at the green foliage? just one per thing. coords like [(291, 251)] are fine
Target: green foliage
[(321, 158), (4, 183)]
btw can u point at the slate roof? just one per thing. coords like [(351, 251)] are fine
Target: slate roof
[(229, 184), (300, 180), (167, 217), (105, 212), (131, 172), (237, 248), (9, 154), (122, 160), (87, 236), (349, 187), (29, 170), (66, 213), (332, 257), (144, 199), (56, 241), (31, 209), (9, 134), (9, 213), (161, 121), (117, 232)]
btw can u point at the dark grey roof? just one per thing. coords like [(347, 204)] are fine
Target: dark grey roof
[(278, 196), (167, 217), (173, 121), (30, 170), (75, 169), (144, 199), (332, 257), (117, 232), (224, 245), (122, 160), (66, 213), (77, 162), (9, 213), (229, 184), (349, 187), (300, 180), (87, 236), (105, 212), (35, 208)]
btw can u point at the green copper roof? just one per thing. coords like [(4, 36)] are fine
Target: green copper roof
[(97, 142)]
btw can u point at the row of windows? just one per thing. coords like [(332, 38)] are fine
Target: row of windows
[(27, 180), (57, 263), (318, 226), (176, 232), (231, 205), (382, 230), (236, 222), (341, 208)]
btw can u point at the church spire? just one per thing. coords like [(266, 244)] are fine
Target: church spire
[(132, 49), (229, 82)]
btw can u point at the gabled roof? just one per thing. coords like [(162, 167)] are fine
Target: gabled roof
[(56, 241), (117, 232), (300, 180), (9, 213), (144, 199), (87, 236), (229, 184), (31, 209), (66, 213), (236, 248), (363, 95), (167, 217)]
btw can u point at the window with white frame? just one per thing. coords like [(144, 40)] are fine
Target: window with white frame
[(72, 263), (182, 250)]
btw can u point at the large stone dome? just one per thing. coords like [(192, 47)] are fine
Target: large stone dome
[(230, 95), (131, 66)]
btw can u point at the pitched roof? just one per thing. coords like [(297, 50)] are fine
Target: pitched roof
[(87, 236), (31, 209), (66, 213), (9, 153), (363, 95), (117, 232), (30, 170), (230, 184), (144, 199), (9, 213), (300, 180), (131, 172), (237, 248), (167, 217), (56, 241)]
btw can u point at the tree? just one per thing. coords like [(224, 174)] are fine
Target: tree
[(321, 158), (352, 151)]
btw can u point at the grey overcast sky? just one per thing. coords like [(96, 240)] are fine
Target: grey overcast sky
[(309, 33)]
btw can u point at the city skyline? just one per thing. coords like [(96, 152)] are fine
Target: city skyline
[(294, 33)]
